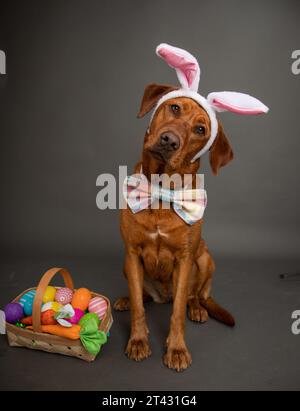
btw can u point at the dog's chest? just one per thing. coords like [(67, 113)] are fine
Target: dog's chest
[(158, 233), (158, 259), (159, 250), (161, 239), (160, 253), (163, 233)]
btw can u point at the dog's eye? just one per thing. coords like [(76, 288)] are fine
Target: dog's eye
[(200, 130), (175, 108)]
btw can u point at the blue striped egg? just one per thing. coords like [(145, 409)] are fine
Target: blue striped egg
[(27, 302)]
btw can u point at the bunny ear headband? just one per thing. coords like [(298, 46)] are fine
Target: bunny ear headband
[(188, 73)]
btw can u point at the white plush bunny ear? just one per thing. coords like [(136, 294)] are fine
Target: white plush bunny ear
[(239, 103), (186, 66)]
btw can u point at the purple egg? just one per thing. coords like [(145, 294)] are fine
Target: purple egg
[(76, 317), (13, 312)]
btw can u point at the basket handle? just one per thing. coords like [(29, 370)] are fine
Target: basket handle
[(40, 291)]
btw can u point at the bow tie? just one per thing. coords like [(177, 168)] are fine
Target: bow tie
[(188, 204)]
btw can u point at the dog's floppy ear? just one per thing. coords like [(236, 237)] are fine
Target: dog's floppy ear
[(220, 152), (153, 92)]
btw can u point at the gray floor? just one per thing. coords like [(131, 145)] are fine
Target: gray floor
[(259, 353)]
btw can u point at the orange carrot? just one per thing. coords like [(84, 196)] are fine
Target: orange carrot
[(70, 332), (47, 318), (27, 320)]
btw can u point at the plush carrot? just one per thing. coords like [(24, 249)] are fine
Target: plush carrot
[(71, 332), (27, 320), (47, 318), (91, 337)]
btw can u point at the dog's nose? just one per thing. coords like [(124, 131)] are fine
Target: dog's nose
[(169, 141)]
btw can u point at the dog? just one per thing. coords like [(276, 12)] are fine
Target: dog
[(166, 259)]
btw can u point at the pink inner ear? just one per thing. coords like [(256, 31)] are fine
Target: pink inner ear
[(188, 68), (236, 109)]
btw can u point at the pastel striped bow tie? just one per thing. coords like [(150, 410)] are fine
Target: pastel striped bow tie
[(188, 204)]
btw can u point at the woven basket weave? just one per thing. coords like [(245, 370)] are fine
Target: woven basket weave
[(37, 340)]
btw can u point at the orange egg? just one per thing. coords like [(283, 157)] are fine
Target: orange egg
[(81, 298)]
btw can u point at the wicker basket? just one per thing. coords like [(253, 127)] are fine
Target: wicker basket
[(36, 339)]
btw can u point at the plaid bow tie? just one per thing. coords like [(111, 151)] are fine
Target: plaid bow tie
[(188, 204)]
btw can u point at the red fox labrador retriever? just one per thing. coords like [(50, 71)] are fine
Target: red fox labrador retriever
[(166, 258)]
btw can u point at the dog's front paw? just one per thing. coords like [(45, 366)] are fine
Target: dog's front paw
[(138, 349), (178, 359)]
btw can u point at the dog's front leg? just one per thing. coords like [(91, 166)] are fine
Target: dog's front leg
[(138, 347), (177, 356)]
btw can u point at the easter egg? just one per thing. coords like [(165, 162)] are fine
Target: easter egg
[(47, 317), (64, 295), (51, 305), (98, 306), (76, 317), (27, 302), (13, 312), (87, 317), (49, 294), (81, 298)]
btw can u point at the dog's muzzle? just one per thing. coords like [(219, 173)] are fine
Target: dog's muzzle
[(167, 144), (169, 141)]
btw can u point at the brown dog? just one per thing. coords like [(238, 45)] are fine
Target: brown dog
[(167, 259)]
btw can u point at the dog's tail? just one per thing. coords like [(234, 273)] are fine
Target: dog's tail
[(217, 312)]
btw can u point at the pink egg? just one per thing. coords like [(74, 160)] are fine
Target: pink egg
[(76, 317), (98, 306), (64, 295)]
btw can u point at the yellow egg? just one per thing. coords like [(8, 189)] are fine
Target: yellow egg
[(49, 294)]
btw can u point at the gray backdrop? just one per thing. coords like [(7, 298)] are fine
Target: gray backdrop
[(76, 71)]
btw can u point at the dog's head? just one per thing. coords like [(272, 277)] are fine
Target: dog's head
[(184, 125), (179, 129)]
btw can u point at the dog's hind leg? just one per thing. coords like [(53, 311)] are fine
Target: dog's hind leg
[(195, 310), (200, 303), (123, 303), (202, 275)]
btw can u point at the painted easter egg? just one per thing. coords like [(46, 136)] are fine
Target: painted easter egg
[(76, 317), (51, 305), (81, 298), (98, 306), (13, 312), (27, 302), (64, 295), (49, 294), (87, 317)]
